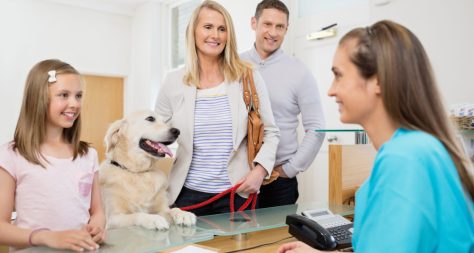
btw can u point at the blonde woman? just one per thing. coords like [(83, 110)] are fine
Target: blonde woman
[(419, 196), (204, 100)]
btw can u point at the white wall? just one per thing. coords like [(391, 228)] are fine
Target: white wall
[(130, 45), (31, 31), (445, 29), (310, 16), (146, 58)]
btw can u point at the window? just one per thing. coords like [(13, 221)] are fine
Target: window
[(180, 15)]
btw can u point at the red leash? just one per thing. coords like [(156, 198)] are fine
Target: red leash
[(252, 198)]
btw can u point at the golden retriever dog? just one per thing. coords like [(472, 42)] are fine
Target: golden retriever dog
[(133, 186)]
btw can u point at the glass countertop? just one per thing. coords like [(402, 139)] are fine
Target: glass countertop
[(137, 239), (260, 219)]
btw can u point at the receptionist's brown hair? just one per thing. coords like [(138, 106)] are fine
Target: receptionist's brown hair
[(408, 87)]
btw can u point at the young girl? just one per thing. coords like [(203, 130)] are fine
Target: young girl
[(419, 196), (46, 173)]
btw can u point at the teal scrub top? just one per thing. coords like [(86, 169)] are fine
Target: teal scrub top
[(413, 200)]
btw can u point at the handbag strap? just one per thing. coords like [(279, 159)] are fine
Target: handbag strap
[(250, 95)]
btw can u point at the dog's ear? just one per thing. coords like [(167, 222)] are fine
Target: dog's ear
[(112, 135)]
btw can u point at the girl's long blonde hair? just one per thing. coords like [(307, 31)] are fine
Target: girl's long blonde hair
[(232, 66), (30, 130), (408, 87)]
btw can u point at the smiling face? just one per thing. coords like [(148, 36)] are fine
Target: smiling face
[(210, 33), (150, 133), (356, 96), (270, 30), (139, 140), (65, 100)]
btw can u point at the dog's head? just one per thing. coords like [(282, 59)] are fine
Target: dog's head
[(138, 138)]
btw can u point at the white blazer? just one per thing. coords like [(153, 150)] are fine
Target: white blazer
[(175, 103)]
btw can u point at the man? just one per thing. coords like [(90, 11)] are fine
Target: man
[(292, 90)]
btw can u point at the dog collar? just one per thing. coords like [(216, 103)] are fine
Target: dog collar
[(123, 167)]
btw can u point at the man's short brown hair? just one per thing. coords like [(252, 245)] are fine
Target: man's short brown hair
[(271, 4)]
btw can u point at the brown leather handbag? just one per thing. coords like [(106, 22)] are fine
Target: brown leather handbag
[(254, 125)]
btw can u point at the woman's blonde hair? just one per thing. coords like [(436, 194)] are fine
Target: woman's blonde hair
[(30, 130), (232, 66), (408, 87)]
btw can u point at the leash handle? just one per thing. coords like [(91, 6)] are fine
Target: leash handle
[(252, 198)]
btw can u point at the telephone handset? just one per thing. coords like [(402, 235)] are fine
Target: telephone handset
[(321, 229)]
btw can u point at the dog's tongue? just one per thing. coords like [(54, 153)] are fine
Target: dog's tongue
[(161, 148), (164, 149)]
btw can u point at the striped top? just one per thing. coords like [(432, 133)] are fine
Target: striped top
[(212, 141)]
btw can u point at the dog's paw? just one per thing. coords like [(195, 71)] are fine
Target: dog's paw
[(153, 221), (181, 217), (183, 230)]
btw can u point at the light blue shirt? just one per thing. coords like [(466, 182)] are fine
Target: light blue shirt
[(413, 200)]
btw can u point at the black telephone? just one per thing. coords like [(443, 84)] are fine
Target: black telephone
[(334, 232)]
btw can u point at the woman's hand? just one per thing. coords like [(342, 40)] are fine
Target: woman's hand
[(76, 240), (280, 171), (296, 247), (253, 180)]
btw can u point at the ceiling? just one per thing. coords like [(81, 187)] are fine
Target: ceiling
[(125, 7)]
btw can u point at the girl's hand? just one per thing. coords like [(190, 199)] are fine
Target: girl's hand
[(253, 180), (76, 240), (96, 232), (296, 247), (96, 225)]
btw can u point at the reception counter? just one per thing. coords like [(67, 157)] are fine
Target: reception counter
[(209, 230)]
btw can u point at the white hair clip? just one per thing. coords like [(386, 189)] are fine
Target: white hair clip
[(52, 76)]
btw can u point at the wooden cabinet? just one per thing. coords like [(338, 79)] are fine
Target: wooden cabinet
[(349, 166)]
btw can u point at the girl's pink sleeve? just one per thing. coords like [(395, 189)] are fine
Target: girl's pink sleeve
[(7, 159)]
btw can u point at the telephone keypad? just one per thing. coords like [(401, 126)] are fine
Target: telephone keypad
[(341, 234), (339, 227)]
